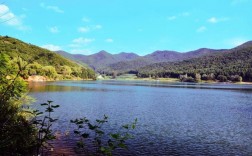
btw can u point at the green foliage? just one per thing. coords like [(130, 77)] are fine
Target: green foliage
[(41, 61), (20, 131), (44, 126), (86, 129), (236, 78), (222, 78), (16, 132), (15, 48), (237, 61), (50, 72)]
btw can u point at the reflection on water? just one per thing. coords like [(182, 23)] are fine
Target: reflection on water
[(174, 118)]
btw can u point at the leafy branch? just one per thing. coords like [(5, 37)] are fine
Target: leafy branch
[(85, 129), (44, 126)]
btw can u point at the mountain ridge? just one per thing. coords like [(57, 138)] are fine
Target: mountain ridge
[(104, 61), (235, 62)]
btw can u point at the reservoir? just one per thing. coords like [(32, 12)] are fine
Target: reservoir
[(173, 118)]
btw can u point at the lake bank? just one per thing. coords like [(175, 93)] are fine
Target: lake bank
[(174, 80)]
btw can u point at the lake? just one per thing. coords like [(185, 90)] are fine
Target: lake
[(173, 118)]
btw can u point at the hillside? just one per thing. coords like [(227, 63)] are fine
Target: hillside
[(157, 57), (236, 61), (101, 59), (41, 61), (124, 62)]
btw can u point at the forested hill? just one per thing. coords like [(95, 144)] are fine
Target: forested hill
[(104, 62), (101, 59), (157, 57), (41, 61), (236, 61)]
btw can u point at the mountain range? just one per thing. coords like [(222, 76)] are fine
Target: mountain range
[(219, 62), (228, 63), (105, 62)]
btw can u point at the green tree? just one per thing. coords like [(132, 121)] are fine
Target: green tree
[(50, 72), (16, 133)]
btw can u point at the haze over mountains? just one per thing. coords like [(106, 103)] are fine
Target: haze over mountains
[(123, 62)]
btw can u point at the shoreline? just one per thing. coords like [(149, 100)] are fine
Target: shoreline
[(175, 80), (38, 78)]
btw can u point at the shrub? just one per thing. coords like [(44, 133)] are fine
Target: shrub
[(222, 78)]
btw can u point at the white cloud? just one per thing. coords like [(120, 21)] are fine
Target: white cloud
[(201, 29), (183, 14), (3, 9), (236, 41), (86, 29), (53, 8), (54, 30), (9, 18), (212, 20), (83, 29), (109, 40), (85, 19), (172, 18), (82, 40), (97, 26), (51, 47), (216, 20)]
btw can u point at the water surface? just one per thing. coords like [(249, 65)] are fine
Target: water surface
[(173, 118)]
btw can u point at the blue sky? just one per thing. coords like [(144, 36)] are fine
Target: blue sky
[(140, 26)]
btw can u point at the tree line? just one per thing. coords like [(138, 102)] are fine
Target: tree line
[(232, 65)]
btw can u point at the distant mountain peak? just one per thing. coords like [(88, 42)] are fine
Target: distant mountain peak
[(102, 52), (246, 44), (126, 53)]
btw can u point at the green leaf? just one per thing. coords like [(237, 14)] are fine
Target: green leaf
[(99, 132), (85, 135), (122, 145), (102, 149), (49, 109), (91, 127), (115, 136), (76, 132), (133, 126), (105, 117), (55, 106), (111, 145), (135, 120), (80, 144), (78, 122), (39, 113), (44, 104), (126, 126), (35, 122), (52, 120)]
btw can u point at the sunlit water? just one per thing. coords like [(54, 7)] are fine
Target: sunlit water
[(173, 118)]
